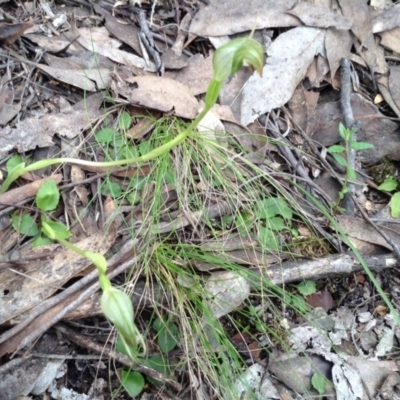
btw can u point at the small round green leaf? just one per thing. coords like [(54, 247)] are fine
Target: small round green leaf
[(111, 188), (41, 241), (389, 184), (306, 287), (271, 207), (158, 363), (13, 162), (395, 205), (25, 225), (48, 196), (125, 121), (133, 382), (105, 135), (168, 337), (318, 382)]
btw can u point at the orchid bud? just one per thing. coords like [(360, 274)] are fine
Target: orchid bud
[(117, 307)]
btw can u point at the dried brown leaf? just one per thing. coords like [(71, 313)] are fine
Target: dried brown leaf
[(163, 94), (227, 17), (319, 17)]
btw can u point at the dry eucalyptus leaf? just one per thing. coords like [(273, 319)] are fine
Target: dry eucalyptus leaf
[(38, 131), (387, 20), (319, 17), (10, 31), (160, 93), (196, 75), (227, 17), (289, 57)]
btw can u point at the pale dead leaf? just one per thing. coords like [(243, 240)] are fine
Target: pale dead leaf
[(380, 131), (337, 45), (319, 17), (84, 79), (119, 56), (394, 83), (387, 20), (127, 33), (196, 75), (39, 130), (289, 57), (54, 44), (160, 93), (226, 17), (225, 291), (391, 39), (361, 230), (358, 13), (302, 106)]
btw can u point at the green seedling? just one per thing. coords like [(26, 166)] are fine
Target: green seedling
[(319, 381), (228, 59), (277, 216), (392, 185), (342, 155)]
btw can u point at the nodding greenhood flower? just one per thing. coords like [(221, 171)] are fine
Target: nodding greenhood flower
[(228, 59), (117, 307)]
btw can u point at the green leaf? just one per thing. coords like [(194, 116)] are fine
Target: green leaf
[(244, 222), (395, 205), (306, 287), (277, 224), (60, 230), (25, 225), (48, 196), (168, 337), (105, 135), (339, 159), (157, 362), (13, 162), (298, 303), (336, 149), (138, 182), (389, 184), (125, 121), (133, 382), (345, 133), (130, 151), (271, 207), (318, 382), (268, 239), (124, 348), (41, 241), (342, 130), (361, 145), (158, 324), (111, 188)]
